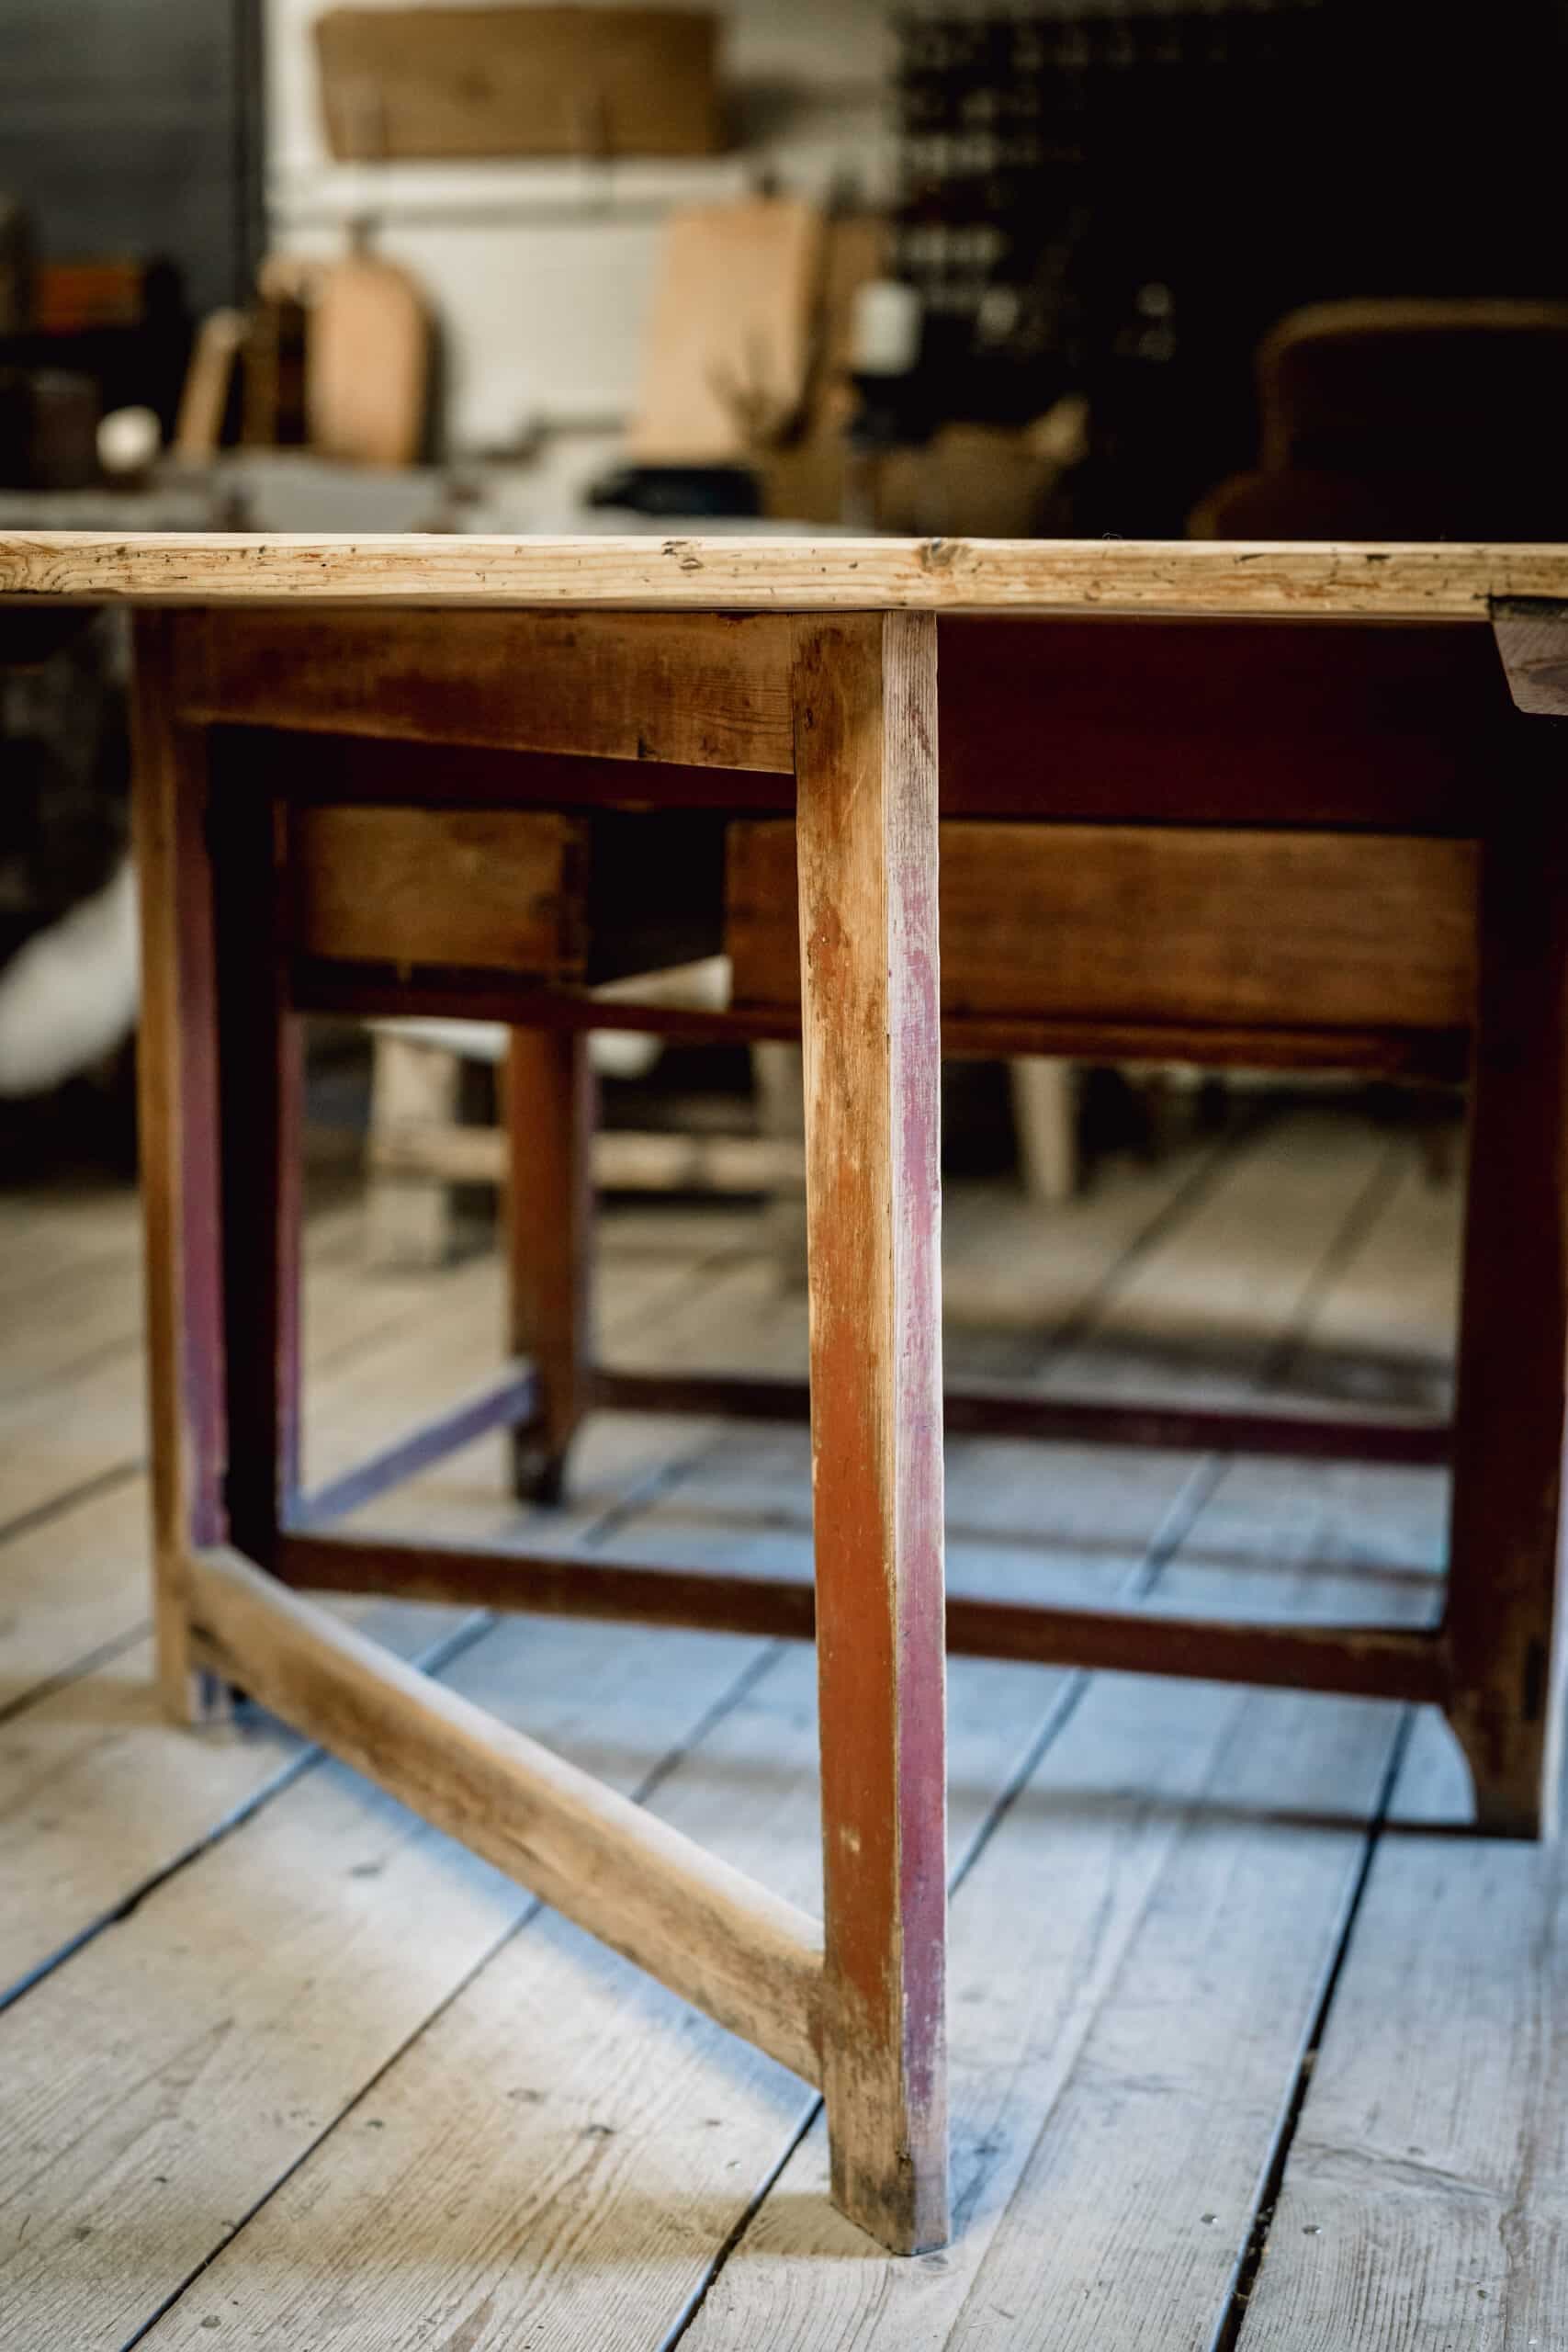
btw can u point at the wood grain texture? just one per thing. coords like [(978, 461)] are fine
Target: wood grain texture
[(711, 1934), (1511, 1413), (865, 762), (1390, 729), (1437, 581), (298, 1959), (273, 1978), (130, 1797), (1423, 2202), (518, 81), (1136, 1957), (1143, 923), (493, 888), (700, 689), (549, 1101), (178, 1120)]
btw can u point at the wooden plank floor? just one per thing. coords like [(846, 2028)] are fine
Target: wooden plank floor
[(1249, 2047)]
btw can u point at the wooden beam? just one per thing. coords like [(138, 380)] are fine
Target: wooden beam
[(1435, 581), (369, 991), (494, 888), (1532, 638), (707, 1931), (1358, 1661), (1244, 928), (865, 716), (697, 689), (975, 1411)]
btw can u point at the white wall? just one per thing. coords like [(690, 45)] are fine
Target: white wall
[(541, 271)]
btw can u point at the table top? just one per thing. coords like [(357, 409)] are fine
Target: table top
[(652, 573)]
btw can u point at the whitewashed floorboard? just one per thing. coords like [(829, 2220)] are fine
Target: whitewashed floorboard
[(1425, 2199), (615, 2245), (449, 2133)]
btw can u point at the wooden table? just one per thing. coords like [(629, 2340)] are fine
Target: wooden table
[(1209, 802)]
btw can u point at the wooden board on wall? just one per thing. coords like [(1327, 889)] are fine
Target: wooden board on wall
[(471, 82), (730, 336), (1149, 923)]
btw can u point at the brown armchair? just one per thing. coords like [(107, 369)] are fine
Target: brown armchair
[(1405, 420)]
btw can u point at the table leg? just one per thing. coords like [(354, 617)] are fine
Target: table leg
[(1506, 1531), (261, 1111), (864, 693), (177, 1079), (548, 1107)]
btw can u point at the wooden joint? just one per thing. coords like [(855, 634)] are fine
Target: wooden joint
[(707, 1931)]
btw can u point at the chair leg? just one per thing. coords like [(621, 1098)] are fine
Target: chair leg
[(864, 690), (1505, 1544), (547, 1108), (1045, 1110), (407, 1213)]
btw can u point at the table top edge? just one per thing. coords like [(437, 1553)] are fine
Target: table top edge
[(1425, 581)]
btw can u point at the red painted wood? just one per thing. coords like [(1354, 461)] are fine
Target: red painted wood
[(547, 1106), (864, 693), (365, 990), (975, 1411), (1360, 1661)]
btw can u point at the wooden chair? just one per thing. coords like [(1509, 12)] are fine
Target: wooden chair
[(1405, 420)]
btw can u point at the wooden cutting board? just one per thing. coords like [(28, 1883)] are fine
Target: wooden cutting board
[(730, 331), (367, 363)]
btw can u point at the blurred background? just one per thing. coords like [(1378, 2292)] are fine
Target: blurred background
[(1260, 268)]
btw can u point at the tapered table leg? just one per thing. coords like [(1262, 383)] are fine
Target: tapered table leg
[(1504, 1573), (548, 1105), (864, 693), (261, 1111), (177, 1078)]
